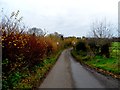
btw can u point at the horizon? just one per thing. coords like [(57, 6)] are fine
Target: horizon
[(67, 17)]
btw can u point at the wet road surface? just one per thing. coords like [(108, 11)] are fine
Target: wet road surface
[(68, 73)]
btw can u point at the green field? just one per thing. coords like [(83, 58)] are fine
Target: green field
[(109, 64), (115, 49)]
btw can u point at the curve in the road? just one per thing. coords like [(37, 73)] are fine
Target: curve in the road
[(67, 73)]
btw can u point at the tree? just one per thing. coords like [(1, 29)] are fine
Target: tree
[(101, 32), (12, 24), (36, 31), (101, 29), (56, 35)]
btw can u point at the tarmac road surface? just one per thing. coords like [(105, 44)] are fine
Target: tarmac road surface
[(68, 73)]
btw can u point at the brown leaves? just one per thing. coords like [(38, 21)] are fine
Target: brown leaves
[(32, 48)]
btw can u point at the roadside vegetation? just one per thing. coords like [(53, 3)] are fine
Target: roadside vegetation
[(109, 64), (27, 54), (103, 64), (100, 52)]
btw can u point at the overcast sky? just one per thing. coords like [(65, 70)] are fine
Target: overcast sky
[(68, 17)]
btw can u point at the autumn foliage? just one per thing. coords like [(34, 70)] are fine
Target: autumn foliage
[(21, 51)]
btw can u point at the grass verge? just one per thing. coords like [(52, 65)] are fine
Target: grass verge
[(106, 66), (31, 81)]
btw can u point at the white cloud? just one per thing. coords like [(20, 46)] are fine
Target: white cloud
[(69, 17)]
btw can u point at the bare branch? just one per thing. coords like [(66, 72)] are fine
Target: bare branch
[(101, 29)]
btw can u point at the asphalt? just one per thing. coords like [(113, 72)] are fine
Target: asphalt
[(68, 73)]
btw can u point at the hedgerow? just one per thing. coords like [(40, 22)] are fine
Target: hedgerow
[(22, 52)]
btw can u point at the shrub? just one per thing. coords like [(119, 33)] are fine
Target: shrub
[(105, 50), (22, 51), (81, 46), (93, 46)]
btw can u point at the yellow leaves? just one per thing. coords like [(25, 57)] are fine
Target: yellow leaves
[(31, 48), (2, 39), (13, 41), (14, 44), (9, 43), (22, 42)]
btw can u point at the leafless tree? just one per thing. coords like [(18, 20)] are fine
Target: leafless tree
[(37, 31), (101, 29), (101, 32), (12, 23)]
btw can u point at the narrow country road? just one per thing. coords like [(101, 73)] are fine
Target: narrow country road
[(67, 73)]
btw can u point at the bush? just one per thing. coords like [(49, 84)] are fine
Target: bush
[(93, 46), (100, 46), (105, 50), (22, 51), (81, 46)]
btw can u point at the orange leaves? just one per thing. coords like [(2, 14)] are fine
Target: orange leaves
[(26, 51), (33, 48), (21, 51)]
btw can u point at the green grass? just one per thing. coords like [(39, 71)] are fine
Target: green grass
[(108, 64), (115, 49), (40, 71)]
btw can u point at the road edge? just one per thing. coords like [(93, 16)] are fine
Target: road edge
[(41, 81), (99, 70)]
